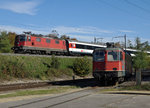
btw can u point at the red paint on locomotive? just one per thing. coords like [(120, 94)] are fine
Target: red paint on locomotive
[(29, 42)]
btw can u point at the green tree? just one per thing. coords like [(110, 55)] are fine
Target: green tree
[(140, 61), (129, 44), (64, 37), (81, 66), (5, 46), (11, 37), (138, 43), (145, 46)]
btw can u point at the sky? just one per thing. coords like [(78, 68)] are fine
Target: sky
[(81, 19)]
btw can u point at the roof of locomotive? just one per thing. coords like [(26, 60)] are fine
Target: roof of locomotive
[(39, 36), (114, 49)]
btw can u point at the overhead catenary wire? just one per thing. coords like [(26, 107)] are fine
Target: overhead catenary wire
[(122, 10), (137, 6)]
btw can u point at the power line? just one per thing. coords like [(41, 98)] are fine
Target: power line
[(145, 2), (137, 6), (122, 10)]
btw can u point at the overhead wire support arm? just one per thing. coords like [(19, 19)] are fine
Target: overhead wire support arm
[(125, 39)]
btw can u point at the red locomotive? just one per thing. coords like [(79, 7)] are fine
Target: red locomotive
[(111, 64), (27, 43)]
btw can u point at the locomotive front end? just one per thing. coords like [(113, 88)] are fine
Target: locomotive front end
[(20, 41), (108, 64)]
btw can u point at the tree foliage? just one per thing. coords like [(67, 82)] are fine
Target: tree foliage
[(5, 45), (117, 44), (129, 44), (11, 37), (138, 43), (81, 66), (64, 37), (141, 60), (67, 37)]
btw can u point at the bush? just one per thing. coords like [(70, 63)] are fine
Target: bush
[(81, 66), (13, 67), (55, 62)]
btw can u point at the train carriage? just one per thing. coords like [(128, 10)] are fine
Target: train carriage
[(82, 48)]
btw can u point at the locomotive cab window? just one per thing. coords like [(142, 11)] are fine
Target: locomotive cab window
[(121, 56), (48, 40), (113, 56), (99, 56), (16, 39), (38, 39), (56, 41), (29, 38), (22, 38)]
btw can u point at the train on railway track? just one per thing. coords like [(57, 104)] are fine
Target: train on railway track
[(37, 44), (111, 64)]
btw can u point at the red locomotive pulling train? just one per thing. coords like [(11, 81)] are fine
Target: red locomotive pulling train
[(111, 64), (37, 44)]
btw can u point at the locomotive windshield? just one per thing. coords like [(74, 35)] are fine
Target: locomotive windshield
[(114, 56), (99, 56), (22, 38)]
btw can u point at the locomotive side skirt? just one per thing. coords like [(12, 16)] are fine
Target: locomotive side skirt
[(25, 48)]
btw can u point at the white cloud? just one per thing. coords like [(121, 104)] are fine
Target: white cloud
[(22, 7), (126, 31), (81, 30), (82, 37), (21, 30)]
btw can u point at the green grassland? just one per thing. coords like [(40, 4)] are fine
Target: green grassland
[(145, 87), (31, 67)]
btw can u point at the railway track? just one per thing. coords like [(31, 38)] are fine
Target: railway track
[(79, 82), (9, 87)]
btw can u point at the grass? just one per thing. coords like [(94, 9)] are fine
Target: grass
[(39, 92), (31, 67), (145, 87)]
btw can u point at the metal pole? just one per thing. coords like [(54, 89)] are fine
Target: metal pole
[(94, 39), (125, 37), (138, 77)]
